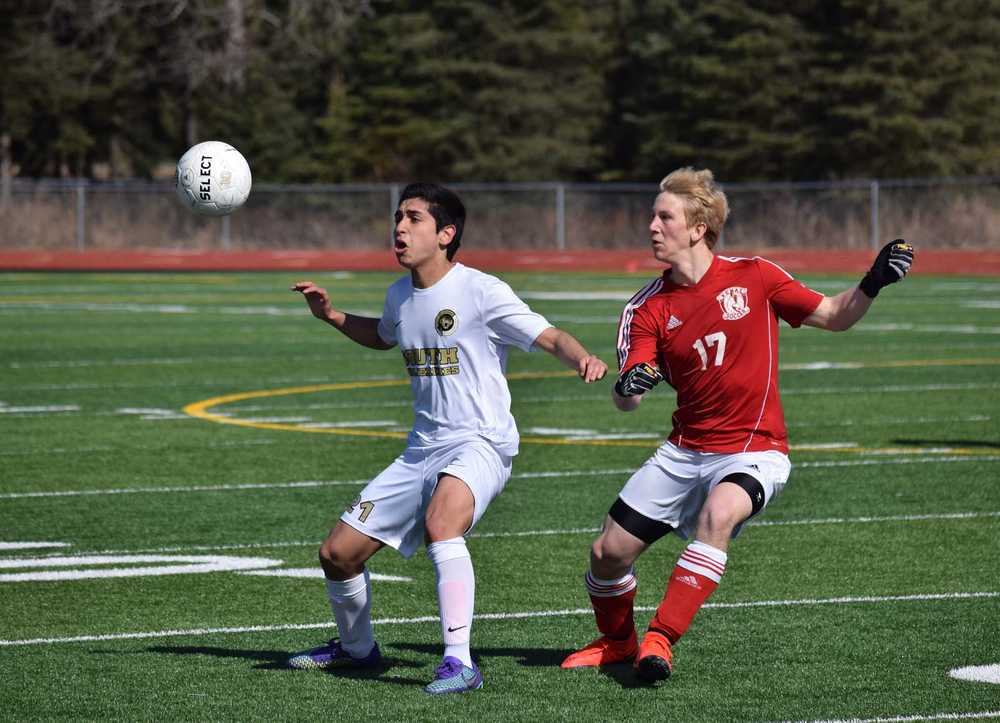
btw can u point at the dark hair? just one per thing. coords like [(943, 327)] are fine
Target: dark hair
[(444, 205)]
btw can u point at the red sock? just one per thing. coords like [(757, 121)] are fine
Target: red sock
[(612, 601), (695, 577)]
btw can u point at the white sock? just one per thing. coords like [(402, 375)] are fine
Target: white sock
[(456, 585), (351, 602)]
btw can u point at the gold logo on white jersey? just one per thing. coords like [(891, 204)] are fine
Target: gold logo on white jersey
[(734, 303), (432, 362), (446, 322)]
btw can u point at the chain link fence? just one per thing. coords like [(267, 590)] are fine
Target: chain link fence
[(942, 213)]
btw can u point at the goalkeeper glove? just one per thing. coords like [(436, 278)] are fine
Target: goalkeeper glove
[(638, 380), (890, 266)]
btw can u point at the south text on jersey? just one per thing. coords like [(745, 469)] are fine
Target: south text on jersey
[(431, 362)]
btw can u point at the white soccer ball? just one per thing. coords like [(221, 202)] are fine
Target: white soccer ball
[(213, 178)]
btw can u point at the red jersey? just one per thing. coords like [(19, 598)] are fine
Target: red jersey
[(716, 343)]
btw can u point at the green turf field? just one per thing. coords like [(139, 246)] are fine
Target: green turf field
[(875, 574)]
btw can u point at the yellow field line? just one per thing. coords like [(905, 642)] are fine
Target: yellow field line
[(201, 409)]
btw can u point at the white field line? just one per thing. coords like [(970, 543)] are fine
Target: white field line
[(317, 573), (585, 434), (192, 564), (773, 523), (620, 296), (847, 600), (275, 383), (931, 328), (294, 310), (152, 413), (977, 673), (39, 409), (918, 458), (980, 715), (930, 517), (168, 361), (860, 328), (350, 425), (193, 548), (79, 363), (179, 361), (878, 518), (888, 389), (193, 488), (876, 422), (278, 406), (401, 403), (957, 286), (186, 382), (90, 450)]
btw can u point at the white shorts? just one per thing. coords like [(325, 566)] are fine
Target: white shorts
[(391, 508), (674, 483)]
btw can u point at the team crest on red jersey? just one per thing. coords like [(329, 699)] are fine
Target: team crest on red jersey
[(734, 303)]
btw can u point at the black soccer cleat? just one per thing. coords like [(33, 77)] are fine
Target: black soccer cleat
[(653, 669), (654, 661)]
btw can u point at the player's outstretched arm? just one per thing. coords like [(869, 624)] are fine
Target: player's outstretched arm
[(360, 329), (841, 312), (565, 347)]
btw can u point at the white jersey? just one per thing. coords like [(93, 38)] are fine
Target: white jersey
[(454, 338)]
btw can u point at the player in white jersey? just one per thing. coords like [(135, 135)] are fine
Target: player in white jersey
[(454, 326)]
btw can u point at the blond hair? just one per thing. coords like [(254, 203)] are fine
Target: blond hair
[(704, 201)]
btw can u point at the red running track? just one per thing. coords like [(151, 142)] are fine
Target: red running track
[(980, 263)]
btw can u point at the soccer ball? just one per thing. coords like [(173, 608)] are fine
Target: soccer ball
[(213, 179)]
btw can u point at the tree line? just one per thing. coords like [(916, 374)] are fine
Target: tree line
[(510, 90)]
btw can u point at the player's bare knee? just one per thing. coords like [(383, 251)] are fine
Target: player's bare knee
[(439, 527), (338, 563), (606, 560), (435, 531), (718, 520)]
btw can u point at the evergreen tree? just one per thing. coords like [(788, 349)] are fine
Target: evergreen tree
[(879, 64), (354, 90), (508, 91), (719, 85)]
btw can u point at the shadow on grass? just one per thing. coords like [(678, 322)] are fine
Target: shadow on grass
[(529, 657), (621, 673), (624, 674), (278, 660)]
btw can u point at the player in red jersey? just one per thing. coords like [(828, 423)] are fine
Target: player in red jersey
[(709, 326)]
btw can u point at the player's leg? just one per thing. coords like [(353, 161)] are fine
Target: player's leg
[(448, 517), (474, 475), (740, 488), (611, 585), (693, 579), (386, 512), (343, 555)]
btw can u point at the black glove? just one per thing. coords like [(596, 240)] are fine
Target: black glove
[(890, 266), (638, 380)]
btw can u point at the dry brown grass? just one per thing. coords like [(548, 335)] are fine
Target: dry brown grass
[(946, 217)]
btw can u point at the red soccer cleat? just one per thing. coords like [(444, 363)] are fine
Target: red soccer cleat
[(653, 663), (603, 651)]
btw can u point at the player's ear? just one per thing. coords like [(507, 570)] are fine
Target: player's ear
[(445, 235), (698, 232)]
